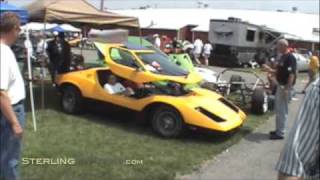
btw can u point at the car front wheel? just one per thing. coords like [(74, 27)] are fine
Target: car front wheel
[(71, 100), (167, 122)]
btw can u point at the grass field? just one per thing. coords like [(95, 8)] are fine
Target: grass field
[(102, 146)]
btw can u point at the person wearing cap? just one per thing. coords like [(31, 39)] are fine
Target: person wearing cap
[(52, 52), (285, 76), (312, 71), (12, 95), (59, 53)]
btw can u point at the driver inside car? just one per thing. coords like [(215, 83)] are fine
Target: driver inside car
[(113, 86)]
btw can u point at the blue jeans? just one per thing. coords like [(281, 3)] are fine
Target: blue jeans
[(10, 146), (281, 110)]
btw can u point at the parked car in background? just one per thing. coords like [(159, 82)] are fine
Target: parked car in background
[(81, 43), (302, 62)]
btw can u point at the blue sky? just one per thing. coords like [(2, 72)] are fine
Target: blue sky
[(307, 6)]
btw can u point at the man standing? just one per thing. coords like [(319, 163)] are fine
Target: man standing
[(12, 95), (157, 40), (198, 45), (41, 45), (285, 73), (59, 53), (207, 48), (300, 156)]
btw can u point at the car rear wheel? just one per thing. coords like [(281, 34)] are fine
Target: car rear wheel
[(259, 101), (167, 122), (71, 100)]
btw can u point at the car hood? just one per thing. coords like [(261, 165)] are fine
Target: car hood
[(191, 78), (215, 104)]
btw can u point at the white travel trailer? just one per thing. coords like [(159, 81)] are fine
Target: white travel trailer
[(238, 43)]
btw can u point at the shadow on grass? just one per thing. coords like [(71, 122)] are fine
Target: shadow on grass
[(128, 121), (51, 98)]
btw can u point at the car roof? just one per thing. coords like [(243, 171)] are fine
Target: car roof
[(132, 46)]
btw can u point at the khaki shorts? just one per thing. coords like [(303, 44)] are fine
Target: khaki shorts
[(206, 56)]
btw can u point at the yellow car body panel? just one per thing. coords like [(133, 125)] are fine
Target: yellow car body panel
[(191, 106), (141, 76)]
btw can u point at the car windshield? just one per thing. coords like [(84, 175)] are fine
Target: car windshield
[(160, 64)]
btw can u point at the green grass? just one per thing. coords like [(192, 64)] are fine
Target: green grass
[(101, 145)]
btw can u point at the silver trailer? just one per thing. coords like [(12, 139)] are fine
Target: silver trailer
[(237, 43)]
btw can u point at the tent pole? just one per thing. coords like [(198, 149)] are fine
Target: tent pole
[(81, 40), (140, 33), (42, 64), (101, 5), (31, 84)]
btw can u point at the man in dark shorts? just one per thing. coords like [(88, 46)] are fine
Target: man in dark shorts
[(285, 74)]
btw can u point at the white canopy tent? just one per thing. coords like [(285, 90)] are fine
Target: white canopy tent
[(34, 26), (70, 28), (79, 13)]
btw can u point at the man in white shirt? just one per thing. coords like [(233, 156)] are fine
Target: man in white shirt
[(12, 95), (207, 48), (42, 45), (157, 40), (198, 45), (114, 87), (28, 46)]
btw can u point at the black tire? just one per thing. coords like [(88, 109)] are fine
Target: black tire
[(237, 79), (167, 122), (246, 65), (259, 101), (71, 100)]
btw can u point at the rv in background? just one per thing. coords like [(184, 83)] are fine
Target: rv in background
[(238, 43)]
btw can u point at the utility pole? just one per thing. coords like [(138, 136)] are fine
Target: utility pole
[(101, 5)]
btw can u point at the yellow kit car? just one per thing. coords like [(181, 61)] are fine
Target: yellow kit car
[(74, 42), (171, 102)]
